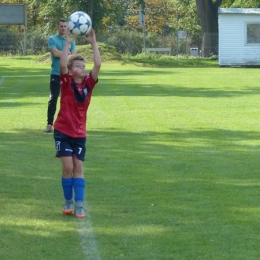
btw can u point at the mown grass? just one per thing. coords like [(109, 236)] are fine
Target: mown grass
[(172, 164), (163, 60)]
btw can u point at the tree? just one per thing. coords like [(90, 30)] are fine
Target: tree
[(208, 14), (51, 10), (115, 13), (186, 18), (157, 14), (245, 4)]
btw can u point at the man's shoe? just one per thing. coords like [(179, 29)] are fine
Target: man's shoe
[(48, 129), (79, 210), (67, 207)]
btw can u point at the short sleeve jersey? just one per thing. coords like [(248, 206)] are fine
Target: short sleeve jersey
[(74, 103), (56, 41)]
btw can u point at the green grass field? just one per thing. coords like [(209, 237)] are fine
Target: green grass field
[(172, 165)]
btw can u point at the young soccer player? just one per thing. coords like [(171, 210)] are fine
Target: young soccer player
[(70, 126)]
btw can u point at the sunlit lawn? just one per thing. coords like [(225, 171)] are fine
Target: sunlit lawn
[(172, 165)]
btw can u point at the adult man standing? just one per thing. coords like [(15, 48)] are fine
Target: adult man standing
[(55, 45)]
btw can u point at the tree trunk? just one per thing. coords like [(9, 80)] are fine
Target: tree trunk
[(208, 14)]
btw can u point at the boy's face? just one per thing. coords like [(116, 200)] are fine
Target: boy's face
[(78, 69)]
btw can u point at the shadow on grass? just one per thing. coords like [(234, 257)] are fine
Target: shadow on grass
[(13, 88), (119, 85), (17, 72), (133, 89), (33, 83), (146, 192)]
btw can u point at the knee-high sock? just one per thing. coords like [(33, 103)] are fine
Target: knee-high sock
[(67, 184), (79, 185)]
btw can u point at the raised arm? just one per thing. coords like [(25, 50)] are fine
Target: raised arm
[(91, 38), (64, 55)]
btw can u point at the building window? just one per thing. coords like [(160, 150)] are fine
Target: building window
[(253, 33)]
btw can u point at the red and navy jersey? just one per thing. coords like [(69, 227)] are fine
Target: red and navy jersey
[(74, 102)]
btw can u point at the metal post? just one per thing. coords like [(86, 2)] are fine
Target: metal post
[(25, 30), (187, 44), (144, 38), (129, 42), (142, 22), (177, 35), (177, 44)]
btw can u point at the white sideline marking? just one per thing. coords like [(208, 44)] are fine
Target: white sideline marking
[(2, 79), (88, 238)]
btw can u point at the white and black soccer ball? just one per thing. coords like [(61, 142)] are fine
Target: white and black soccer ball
[(79, 23)]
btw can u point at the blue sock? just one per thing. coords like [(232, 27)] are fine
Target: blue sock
[(67, 184), (79, 185)]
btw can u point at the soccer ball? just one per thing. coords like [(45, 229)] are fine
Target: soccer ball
[(79, 23)]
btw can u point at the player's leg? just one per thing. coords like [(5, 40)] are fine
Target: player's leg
[(52, 103), (79, 183), (64, 151), (67, 184)]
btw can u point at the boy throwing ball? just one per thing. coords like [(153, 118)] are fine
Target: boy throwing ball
[(70, 126)]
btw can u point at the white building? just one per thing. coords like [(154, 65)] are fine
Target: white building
[(239, 36)]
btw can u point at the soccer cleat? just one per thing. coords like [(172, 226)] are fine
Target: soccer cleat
[(79, 210), (48, 129), (67, 207)]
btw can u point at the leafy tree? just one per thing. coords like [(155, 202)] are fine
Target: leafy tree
[(114, 13), (158, 15), (245, 4), (47, 12), (162, 18), (186, 18), (240, 4)]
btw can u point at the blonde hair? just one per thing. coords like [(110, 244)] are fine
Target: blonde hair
[(73, 58)]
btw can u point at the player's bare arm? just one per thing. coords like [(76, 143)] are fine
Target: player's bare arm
[(64, 55), (91, 38)]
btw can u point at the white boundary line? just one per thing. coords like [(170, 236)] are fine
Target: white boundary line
[(88, 238), (2, 79)]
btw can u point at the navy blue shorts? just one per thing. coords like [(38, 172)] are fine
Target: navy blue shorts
[(69, 146)]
